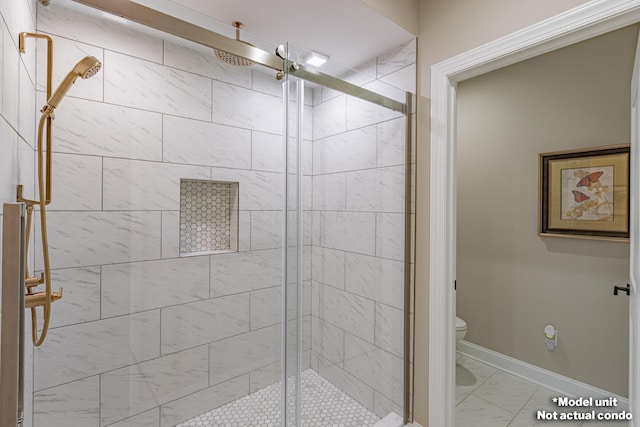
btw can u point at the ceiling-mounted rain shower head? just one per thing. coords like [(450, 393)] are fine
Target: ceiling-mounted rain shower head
[(230, 58)]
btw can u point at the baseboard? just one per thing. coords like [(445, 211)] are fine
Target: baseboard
[(564, 385)]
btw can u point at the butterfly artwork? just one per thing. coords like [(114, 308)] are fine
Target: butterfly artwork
[(580, 196), (589, 179), (587, 194)]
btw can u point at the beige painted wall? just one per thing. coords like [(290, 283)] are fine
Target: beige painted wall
[(402, 12), (512, 282), (448, 28)]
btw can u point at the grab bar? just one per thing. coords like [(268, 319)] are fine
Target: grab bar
[(12, 333)]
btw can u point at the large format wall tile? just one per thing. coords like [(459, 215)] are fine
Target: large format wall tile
[(79, 351), (383, 406), (199, 143), (347, 311), (375, 367), (142, 84), (81, 302), (349, 231), (329, 192), (266, 230), (375, 278), (96, 31), (70, 405), (267, 152), (93, 238), (329, 118), (257, 190), (346, 382), (264, 81), (362, 113), (10, 86), (402, 79), (396, 59), (198, 59), (244, 108), (327, 340), (26, 112), (266, 307), (264, 377), (203, 401), (328, 266), (376, 190), (67, 54), (18, 16), (190, 325), (245, 271), (129, 288), (137, 185), (345, 152), (170, 234), (389, 329), (9, 162), (138, 388), (392, 143), (390, 235), (146, 419), (78, 183), (94, 128), (244, 353)]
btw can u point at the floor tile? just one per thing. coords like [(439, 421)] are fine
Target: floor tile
[(476, 412), (506, 391), (527, 416), (323, 404), (470, 374)]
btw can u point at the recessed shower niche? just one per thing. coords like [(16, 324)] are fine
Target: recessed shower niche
[(208, 217)]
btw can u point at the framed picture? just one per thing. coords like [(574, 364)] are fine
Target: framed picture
[(585, 193)]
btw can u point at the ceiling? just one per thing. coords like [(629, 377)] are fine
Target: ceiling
[(348, 31)]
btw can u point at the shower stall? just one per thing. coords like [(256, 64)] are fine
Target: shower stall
[(234, 242)]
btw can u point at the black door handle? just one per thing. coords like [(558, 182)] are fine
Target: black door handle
[(626, 289)]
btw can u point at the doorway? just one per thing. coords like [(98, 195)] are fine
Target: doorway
[(511, 282), (585, 22)]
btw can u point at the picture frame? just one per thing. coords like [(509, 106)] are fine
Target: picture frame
[(585, 193)]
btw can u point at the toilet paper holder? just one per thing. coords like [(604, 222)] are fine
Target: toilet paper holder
[(551, 337)]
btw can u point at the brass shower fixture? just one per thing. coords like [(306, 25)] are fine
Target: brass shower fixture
[(86, 68), (230, 58)]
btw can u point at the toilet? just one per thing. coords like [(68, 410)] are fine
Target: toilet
[(461, 329)]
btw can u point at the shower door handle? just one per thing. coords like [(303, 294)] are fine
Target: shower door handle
[(12, 335)]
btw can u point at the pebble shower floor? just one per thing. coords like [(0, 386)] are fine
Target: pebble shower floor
[(323, 405)]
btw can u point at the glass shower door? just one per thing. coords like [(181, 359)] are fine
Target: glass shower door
[(296, 252), (346, 253)]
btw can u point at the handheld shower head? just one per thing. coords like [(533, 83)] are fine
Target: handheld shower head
[(85, 68)]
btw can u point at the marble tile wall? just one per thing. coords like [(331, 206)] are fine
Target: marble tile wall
[(144, 337), (151, 335), (358, 236), (17, 131)]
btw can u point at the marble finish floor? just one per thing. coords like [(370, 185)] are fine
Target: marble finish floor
[(489, 397), (323, 404)]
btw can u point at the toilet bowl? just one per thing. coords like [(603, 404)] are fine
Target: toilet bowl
[(461, 328)]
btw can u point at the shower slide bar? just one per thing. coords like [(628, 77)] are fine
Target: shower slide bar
[(161, 21)]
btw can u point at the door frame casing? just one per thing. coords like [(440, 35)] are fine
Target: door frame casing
[(589, 20)]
